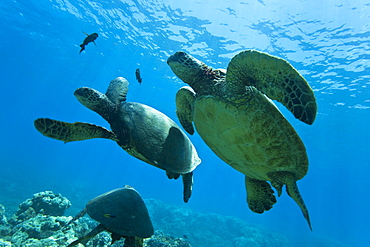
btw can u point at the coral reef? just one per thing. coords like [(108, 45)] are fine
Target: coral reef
[(4, 226), (46, 203), (203, 230), (39, 222), (161, 240)]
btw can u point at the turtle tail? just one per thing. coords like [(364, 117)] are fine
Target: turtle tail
[(187, 180), (293, 192)]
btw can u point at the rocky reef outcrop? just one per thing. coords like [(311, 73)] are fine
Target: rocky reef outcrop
[(203, 230), (43, 203), (39, 222)]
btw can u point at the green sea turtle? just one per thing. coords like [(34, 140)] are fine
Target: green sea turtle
[(140, 130), (234, 116), (123, 213)]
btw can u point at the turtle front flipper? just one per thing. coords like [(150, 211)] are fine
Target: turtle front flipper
[(187, 180), (260, 196), (69, 132), (117, 90), (185, 98), (79, 215), (276, 78), (91, 234)]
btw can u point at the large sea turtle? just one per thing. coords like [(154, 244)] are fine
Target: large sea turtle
[(234, 116), (122, 212), (142, 131)]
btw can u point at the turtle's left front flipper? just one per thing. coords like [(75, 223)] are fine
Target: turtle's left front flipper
[(185, 98), (91, 234), (79, 215), (69, 132), (276, 78)]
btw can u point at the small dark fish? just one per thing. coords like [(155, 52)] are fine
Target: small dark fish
[(90, 38), (109, 216), (138, 77), (185, 236)]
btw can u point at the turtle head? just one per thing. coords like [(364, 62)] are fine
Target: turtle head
[(94, 100), (192, 71)]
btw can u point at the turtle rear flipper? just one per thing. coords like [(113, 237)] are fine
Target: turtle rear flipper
[(132, 242), (185, 98), (91, 234), (260, 196), (187, 180), (277, 79), (172, 175), (69, 132)]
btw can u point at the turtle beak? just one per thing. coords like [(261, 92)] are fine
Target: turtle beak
[(176, 58), (80, 91), (82, 96), (171, 59)]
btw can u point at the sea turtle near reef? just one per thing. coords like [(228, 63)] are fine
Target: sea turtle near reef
[(233, 113), (122, 212), (140, 130)]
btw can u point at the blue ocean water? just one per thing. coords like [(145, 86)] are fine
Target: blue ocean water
[(327, 42)]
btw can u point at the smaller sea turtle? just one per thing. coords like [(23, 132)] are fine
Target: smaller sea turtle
[(140, 130), (232, 113), (123, 213)]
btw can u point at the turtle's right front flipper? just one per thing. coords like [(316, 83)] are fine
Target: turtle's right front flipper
[(185, 98), (69, 132), (117, 90), (276, 78)]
